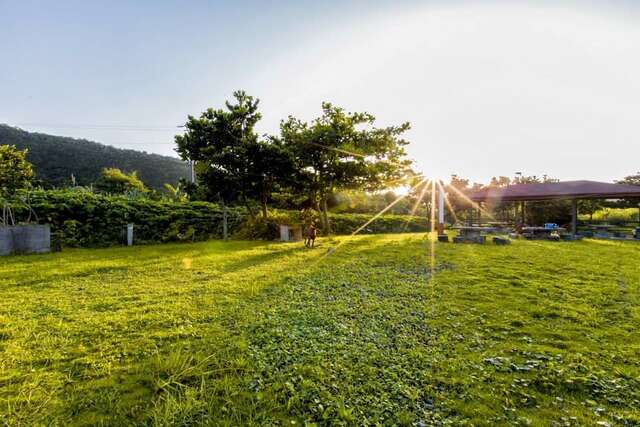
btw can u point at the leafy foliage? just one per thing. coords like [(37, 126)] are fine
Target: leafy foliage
[(343, 151), (56, 159), (114, 181), (15, 171), (614, 216), (83, 218), (268, 228), (233, 164)]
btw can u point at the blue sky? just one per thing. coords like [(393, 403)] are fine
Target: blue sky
[(490, 88)]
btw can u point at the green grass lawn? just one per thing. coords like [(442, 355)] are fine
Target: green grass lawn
[(378, 332)]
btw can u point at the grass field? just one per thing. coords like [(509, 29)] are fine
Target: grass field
[(247, 333)]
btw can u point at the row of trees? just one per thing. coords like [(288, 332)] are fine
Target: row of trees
[(308, 161)]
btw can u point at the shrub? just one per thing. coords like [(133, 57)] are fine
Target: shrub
[(83, 218), (348, 223), (613, 216)]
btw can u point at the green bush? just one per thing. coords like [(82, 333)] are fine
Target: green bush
[(613, 216), (348, 223), (83, 218), (268, 229)]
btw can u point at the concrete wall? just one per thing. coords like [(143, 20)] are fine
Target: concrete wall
[(6, 241), (25, 239)]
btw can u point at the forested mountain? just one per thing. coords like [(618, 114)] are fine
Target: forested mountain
[(56, 158)]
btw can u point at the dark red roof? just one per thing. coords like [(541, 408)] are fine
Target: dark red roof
[(557, 190)]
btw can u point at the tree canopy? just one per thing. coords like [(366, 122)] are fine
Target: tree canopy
[(343, 151), (232, 162), (15, 171), (338, 151)]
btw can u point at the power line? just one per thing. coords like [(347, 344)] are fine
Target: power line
[(135, 128)]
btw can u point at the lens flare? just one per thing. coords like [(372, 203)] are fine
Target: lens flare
[(448, 202), (375, 217), (354, 154), (471, 202), (416, 204)]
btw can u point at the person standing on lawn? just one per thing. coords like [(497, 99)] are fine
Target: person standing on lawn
[(310, 238)]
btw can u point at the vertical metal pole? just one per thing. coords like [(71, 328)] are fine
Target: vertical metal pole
[(574, 216), (440, 210), (192, 172)]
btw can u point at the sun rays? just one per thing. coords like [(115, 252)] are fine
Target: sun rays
[(435, 191)]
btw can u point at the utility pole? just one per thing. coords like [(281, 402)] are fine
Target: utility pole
[(192, 172)]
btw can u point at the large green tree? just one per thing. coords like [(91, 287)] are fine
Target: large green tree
[(15, 171), (343, 151), (232, 162), (629, 180)]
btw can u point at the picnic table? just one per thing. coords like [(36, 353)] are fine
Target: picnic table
[(549, 233), (606, 231), (472, 234)]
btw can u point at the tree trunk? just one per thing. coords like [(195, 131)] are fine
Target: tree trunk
[(263, 202), (325, 216), (248, 206)]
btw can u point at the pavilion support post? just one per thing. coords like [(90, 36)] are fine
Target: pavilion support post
[(574, 216), (440, 210), (523, 206)]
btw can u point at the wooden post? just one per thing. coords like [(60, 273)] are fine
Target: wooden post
[(574, 216), (523, 206)]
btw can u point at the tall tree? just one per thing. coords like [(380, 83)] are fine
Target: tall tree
[(219, 142), (232, 163), (271, 169), (343, 151), (630, 180), (15, 171)]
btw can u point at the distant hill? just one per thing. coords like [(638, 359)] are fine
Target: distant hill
[(56, 158)]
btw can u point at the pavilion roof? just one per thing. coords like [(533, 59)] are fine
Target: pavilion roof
[(556, 190)]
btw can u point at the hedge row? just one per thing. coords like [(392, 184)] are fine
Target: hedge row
[(82, 218), (340, 224)]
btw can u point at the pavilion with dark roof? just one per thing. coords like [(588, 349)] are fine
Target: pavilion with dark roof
[(568, 190)]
